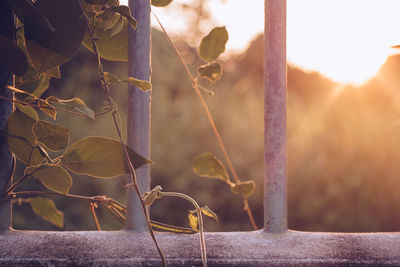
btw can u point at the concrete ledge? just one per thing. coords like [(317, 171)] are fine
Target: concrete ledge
[(34, 248)]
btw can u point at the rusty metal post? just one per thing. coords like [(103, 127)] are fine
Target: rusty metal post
[(6, 108), (138, 124), (275, 192)]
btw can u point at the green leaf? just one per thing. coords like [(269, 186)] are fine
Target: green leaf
[(125, 12), (26, 8), (55, 178), (96, 2), (211, 71), (74, 103), (160, 3), (193, 221), (246, 188), (53, 136), (208, 212), (48, 49), (111, 48), (99, 157), (21, 139), (110, 78), (117, 27), (12, 56), (143, 85), (112, 21), (207, 165), (28, 111), (213, 44), (46, 209)]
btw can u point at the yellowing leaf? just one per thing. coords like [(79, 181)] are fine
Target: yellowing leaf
[(246, 188), (160, 3), (193, 221), (53, 136), (213, 44), (211, 71), (99, 157), (48, 49), (110, 78), (55, 178), (143, 85), (208, 212), (46, 209), (207, 165)]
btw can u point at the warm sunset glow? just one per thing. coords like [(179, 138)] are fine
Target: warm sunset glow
[(346, 40)]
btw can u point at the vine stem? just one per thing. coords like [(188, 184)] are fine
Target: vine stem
[(198, 210), (114, 115), (196, 87), (57, 108), (93, 211)]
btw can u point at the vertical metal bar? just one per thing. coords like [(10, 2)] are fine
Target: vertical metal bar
[(275, 192), (138, 124), (6, 108)]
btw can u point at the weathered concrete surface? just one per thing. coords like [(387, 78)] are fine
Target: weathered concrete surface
[(32, 248)]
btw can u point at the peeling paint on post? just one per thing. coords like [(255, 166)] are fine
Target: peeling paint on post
[(275, 192), (6, 108), (138, 123)]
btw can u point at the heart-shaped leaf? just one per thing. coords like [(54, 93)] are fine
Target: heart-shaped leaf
[(110, 47), (99, 157), (207, 165), (53, 136), (55, 178), (21, 139), (26, 8), (48, 49)]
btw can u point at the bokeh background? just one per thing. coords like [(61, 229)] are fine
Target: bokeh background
[(343, 142)]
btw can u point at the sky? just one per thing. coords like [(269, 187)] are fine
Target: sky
[(345, 40)]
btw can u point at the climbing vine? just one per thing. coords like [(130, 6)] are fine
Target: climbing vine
[(48, 34)]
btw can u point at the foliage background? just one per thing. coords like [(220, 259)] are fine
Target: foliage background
[(343, 143)]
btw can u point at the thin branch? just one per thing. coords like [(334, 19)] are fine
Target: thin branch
[(104, 85), (93, 211), (196, 87), (55, 107)]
